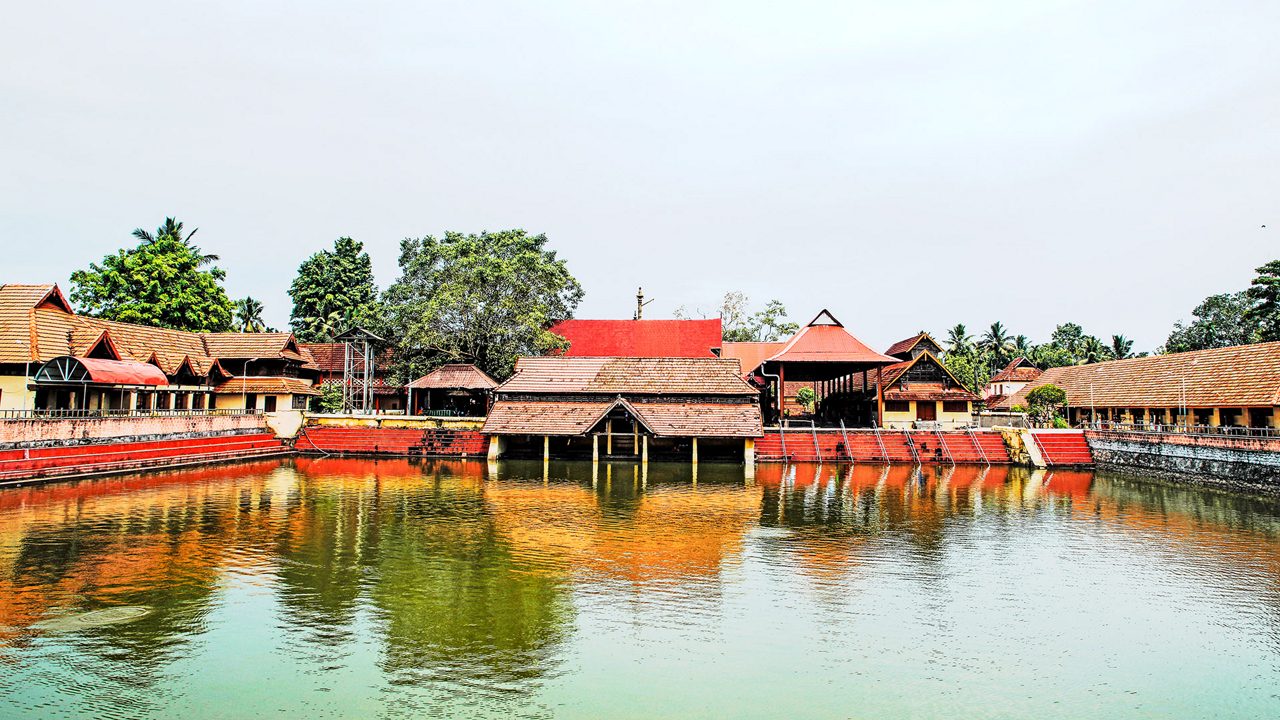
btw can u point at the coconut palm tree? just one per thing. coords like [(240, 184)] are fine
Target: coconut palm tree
[(1121, 347), (1093, 351), (996, 342), (1022, 346), (249, 315), (959, 341), (172, 227)]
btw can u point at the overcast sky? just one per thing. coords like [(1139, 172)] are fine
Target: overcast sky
[(908, 165)]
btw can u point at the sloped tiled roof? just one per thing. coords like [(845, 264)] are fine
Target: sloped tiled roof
[(750, 354), (918, 390), (723, 420), (640, 338), (626, 376), (265, 385), (1238, 376), (455, 376), (328, 357), (515, 417), (1018, 370), (903, 347), (34, 326)]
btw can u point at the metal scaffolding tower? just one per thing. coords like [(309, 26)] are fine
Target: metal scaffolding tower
[(358, 370)]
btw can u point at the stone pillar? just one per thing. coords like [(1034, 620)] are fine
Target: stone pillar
[(695, 451), (1215, 419), (644, 449), (546, 448), (497, 446), (749, 452), (595, 448)]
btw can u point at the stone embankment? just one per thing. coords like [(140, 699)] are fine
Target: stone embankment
[(1229, 461)]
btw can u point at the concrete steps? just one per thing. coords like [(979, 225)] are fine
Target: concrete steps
[(1063, 448), (110, 457), (424, 442), (899, 446)]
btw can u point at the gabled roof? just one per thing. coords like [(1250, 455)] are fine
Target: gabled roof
[(661, 419), (457, 376), (1238, 376), (828, 343), (902, 347), (1019, 370), (640, 338), (100, 372), (623, 376), (264, 385), (891, 374)]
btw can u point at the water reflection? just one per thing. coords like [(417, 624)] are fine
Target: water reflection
[(394, 588)]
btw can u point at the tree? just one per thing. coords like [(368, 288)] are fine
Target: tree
[(1121, 347), (333, 291), (485, 299), (1220, 321), (159, 283), (1264, 295), (330, 399), (248, 316), (959, 341), (1044, 402), (807, 398), (739, 324), (996, 343)]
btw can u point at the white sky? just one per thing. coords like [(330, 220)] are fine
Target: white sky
[(908, 165)]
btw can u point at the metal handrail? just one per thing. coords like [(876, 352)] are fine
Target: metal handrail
[(942, 443), (982, 452), (105, 413), (848, 451), (911, 444), (1224, 430), (884, 453)]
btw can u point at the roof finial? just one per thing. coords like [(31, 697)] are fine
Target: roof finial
[(640, 303)]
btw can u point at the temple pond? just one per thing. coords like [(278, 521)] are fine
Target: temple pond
[(357, 588)]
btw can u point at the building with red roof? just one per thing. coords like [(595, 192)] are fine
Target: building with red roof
[(640, 338)]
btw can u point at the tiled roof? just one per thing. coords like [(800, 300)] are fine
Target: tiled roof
[(903, 347), (1238, 376), (662, 419), (466, 377), (1019, 370), (640, 338), (724, 420), (265, 385), (38, 331), (828, 344), (514, 417), (750, 354), (328, 357), (925, 391), (627, 376)]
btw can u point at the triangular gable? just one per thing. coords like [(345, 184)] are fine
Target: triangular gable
[(291, 344), (829, 316), (54, 299), (102, 348), (628, 407), (912, 363)]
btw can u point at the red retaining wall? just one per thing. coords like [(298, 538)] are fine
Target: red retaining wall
[(899, 446), (425, 442), (24, 464)]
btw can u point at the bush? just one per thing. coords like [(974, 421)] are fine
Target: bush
[(1060, 422)]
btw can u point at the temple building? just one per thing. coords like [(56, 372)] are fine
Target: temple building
[(919, 389), (1235, 386), (1015, 376), (625, 407), (456, 389), (52, 359)]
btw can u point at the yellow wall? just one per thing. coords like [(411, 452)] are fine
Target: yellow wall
[(904, 420), (236, 401), (12, 390)]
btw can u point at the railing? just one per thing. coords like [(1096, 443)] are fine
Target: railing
[(97, 414), (880, 441), (942, 443), (981, 451), (1217, 430)]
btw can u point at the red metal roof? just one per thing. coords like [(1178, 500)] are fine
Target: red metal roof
[(829, 343), (122, 372), (640, 338)]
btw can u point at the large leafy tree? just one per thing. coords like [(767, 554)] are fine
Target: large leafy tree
[(165, 282), (333, 290), (1220, 321), (1264, 296), (485, 299), (739, 324)]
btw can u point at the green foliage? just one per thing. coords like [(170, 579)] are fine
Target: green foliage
[(1264, 296), (1044, 402), (249, 316), (160, 282), (333, 291), (1220, 321), (485, 299), (739, 324), (806, 397), (1121, 347), (330, 399), (1060, 423), (996, 343)]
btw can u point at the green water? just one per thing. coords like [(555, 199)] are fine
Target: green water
[(361, 589)]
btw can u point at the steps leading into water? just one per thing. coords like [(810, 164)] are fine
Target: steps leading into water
[(24, 464), (1063, 447), (411, 442), (896, 446)]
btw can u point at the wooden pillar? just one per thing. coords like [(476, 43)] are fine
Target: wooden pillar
[(644, 448), (695, 451), (880, 397), (595, 448), (608, 436), (782, 385), (749, 452), (546, 448), (635, 438)]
